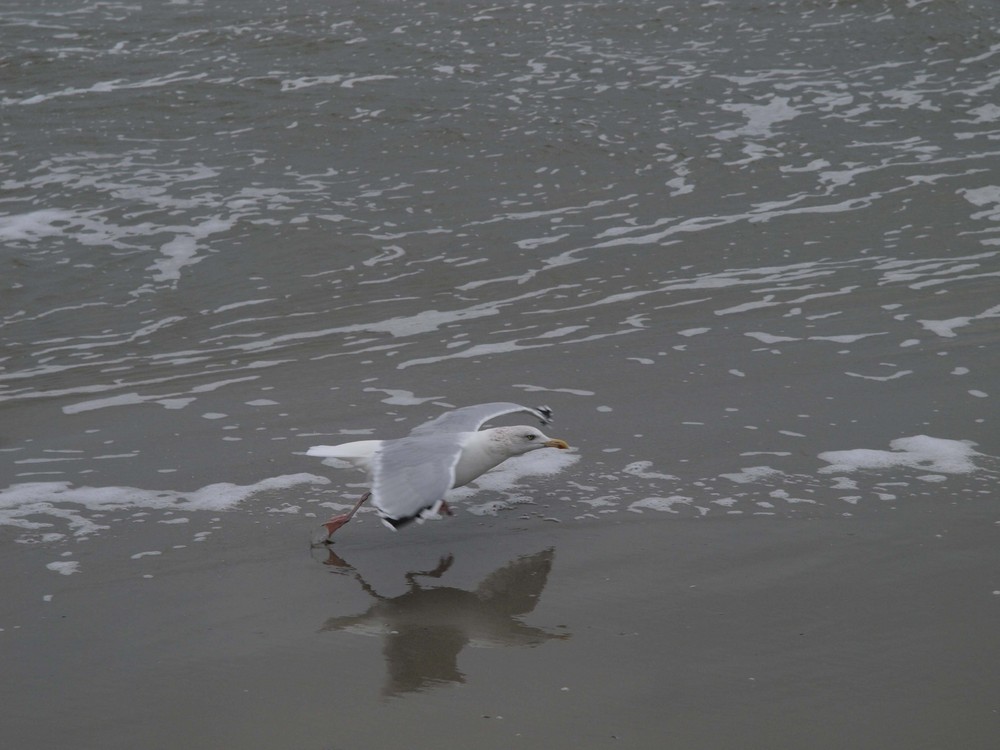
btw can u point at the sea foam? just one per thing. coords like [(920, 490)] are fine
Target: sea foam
[(25, 505), (917, 452)]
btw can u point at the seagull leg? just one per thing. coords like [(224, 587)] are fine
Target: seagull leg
[(445, 510), (337, 521), (442, 567)]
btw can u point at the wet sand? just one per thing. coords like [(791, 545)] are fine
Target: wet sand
[(872, 630)]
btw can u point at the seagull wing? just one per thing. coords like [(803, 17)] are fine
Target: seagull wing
[(410, 476), (471, 418)]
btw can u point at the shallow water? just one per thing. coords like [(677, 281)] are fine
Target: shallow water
[(231, 230), (748, 253)]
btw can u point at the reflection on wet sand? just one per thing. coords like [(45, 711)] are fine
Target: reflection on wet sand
[(425, 629)]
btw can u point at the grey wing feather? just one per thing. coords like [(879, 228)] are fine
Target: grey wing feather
[(471, 418), (412, 475)]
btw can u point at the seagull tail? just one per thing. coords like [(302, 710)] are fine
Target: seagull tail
[(358, 453)]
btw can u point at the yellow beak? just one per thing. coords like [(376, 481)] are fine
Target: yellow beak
[(561, 444)]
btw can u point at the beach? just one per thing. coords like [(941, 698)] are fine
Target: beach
[(749, 256)]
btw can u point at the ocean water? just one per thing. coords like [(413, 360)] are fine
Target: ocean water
[(749, 253)]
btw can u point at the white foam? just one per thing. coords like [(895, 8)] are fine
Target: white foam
[(34, 225), (182, 250), (167, 400), (538, 388), (123, 399), (986, 113), (768, 338), (292, 84), (663, 504), (843, 483), (641, 469), (946, 328), (102, 87), (784, 495), (533, 243), (847, 338), (67, 568), (533, 464), (760, 117), (988, 196), (693, 331), (350, 82), (751, 474), (507, 477), (939, 455), (402, 398), (894, 376), (31, 500)]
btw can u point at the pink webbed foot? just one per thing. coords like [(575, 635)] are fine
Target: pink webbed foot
[(445, 510), (335, 523)]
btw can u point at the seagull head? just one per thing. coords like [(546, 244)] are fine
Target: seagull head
[(519, 440)]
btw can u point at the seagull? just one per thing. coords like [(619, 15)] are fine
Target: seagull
[(410, 476)]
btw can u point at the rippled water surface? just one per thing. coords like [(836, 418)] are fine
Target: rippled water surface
[(734, 245)]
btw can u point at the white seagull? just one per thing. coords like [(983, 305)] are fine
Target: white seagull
[(411, 475)]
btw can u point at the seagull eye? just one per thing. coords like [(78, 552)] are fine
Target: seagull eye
[(530, 436)]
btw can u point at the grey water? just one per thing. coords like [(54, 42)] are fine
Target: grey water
[(725, 228)]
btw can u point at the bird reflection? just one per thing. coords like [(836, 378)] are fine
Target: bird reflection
[(425, 629)]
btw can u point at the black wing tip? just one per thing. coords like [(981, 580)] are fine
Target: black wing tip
[(546, 414), (430, 511), (395, 523)]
